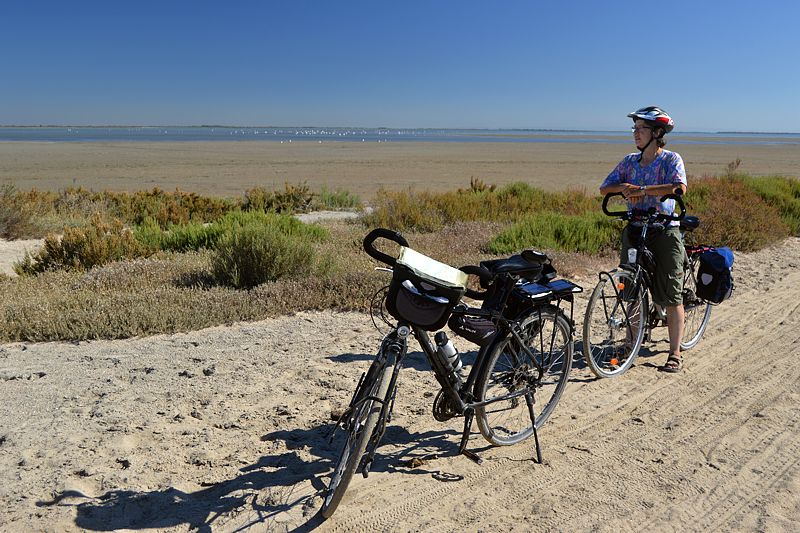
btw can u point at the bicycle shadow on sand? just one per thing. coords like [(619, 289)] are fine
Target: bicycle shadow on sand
[(270, 487), (289, 484), (262, 492)]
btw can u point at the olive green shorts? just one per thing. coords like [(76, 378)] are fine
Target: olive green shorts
[(667, 247)]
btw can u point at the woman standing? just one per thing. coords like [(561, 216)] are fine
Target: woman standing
[(643, 178)]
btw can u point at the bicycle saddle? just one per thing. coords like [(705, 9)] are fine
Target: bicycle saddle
[(689, 223)]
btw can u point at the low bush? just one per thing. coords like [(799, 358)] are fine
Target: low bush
[(733, 214), (425, 211), (166, 208), (83, 248), (338, 199), (251, 255), (178, 238), (20, 212), (782, 193), (589, 233), (171, 292), (293, 199), (193, 237), (251, 248)]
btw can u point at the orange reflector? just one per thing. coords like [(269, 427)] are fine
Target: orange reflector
[(620, 285), (614, 361)]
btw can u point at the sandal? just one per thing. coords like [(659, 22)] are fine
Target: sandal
[(673, 365)]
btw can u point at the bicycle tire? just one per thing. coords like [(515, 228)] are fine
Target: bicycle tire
[(508, 422), (611, 342), (362, 424), (696, 312)]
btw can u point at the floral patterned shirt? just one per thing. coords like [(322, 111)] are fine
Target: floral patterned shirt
[(667, 167)]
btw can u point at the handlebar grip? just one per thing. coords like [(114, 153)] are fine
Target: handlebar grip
[(606, 198), (383, 233), (678, 197), (485, 277)]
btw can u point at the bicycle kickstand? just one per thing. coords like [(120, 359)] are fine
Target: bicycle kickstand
[(535, 433), (469, 414)]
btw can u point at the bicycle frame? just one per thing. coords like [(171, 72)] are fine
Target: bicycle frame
[(459, 393)]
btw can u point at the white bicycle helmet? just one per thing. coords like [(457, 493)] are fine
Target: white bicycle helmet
[(655, 117)]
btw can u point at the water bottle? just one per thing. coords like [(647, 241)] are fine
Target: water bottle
[(447, 352)]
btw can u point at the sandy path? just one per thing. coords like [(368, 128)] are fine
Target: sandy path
[(13, 251), (226, 428)]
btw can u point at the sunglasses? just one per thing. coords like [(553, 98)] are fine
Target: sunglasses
[(634, 129)]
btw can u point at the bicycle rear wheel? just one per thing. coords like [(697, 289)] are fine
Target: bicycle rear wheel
[(613, 327), (359, 425), (696, 312), (509, 369)]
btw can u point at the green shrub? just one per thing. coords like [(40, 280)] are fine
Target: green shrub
[(589, 233), (193, 237), (338, 199), (251, 255), (285, 224), (178, 238), (425, 211), (83, 248)]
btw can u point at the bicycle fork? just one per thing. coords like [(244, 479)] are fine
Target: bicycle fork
[(398, 346)]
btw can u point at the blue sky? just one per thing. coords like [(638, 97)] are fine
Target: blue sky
[(715, 66)]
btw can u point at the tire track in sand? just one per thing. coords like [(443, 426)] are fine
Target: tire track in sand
[(755, 332)]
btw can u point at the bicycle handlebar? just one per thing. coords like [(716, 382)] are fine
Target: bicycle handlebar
[(396, 237), (383, 233), (627, 215), (483, 274)]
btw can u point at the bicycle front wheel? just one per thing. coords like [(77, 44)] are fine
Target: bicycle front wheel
[(359, 425), (613, 327), (510, 377), (696, 312)]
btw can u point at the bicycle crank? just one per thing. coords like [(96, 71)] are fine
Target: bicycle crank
[(443, 408)]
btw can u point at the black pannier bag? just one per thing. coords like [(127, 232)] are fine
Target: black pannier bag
[(715, 277), (424, 291)]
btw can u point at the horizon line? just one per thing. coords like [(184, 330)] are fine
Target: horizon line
[(226, 126)]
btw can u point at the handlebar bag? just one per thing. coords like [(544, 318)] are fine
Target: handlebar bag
[(715, 275), (424, 291)]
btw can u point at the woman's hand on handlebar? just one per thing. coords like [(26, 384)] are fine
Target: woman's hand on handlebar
[(630, 190)]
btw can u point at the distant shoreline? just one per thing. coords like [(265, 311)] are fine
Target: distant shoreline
[(378, 128)]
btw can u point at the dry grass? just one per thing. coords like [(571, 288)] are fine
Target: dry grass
[(172, 292)]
